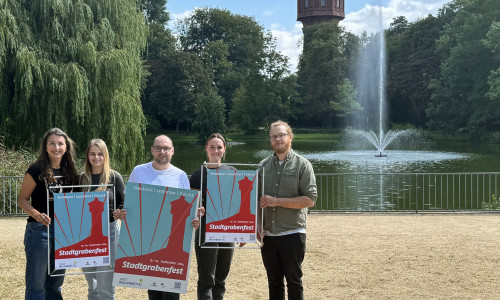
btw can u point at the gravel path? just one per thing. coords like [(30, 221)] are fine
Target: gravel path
[(349, 256)]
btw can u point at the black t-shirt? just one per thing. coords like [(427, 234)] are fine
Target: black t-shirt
[(39, 194)]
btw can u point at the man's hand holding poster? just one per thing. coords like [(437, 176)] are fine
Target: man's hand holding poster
[(231, 206), (81, 230), (155, 238)]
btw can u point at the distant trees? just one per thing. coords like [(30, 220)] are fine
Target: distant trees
[(463, 94), (75, 65), (412, 64), (328, 56), (346, 103), (244, 66), (443, 71), (84, 66)]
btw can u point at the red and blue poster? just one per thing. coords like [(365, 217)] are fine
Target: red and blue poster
[(156, 236), (231, 206), (81, 232)]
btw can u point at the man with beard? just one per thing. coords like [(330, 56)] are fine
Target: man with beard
[(289, 189), (161, 172)]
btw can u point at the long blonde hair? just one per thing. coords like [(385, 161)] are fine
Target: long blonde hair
[(106, 171)]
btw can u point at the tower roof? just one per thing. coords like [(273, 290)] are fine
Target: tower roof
[(317, 11)]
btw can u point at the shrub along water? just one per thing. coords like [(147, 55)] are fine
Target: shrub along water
[(14, 163)]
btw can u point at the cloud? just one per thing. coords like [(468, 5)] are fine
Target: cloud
[(174, 18), (368, 18), (268, 13), (288, 43)]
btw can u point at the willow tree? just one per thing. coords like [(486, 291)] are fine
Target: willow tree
[(74, 65)]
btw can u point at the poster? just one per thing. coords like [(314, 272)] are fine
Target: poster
[(156, 236), (231, 206), (81, 231)]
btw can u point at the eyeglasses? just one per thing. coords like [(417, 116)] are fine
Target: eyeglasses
[(164, 149), (279, 136)]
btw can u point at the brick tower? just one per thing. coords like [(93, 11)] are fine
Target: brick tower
[(311, 12)]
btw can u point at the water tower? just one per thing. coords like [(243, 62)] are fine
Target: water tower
[(311, 12)]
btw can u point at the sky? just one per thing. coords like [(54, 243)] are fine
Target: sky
[(280, 16)]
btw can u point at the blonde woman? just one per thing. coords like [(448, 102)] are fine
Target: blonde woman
[(98, 172)]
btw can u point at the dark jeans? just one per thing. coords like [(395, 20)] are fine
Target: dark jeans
[(40, 285), (213, 268), (159, 295), (282, 257)]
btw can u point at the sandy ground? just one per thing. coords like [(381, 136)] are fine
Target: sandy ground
[(349, 256)]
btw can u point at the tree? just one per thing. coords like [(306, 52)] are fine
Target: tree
[(154, 11), (322, 67), (259, 99), (492, 42), (346, 104), (75, 65), (458, 102), (234, 43), (210, 115), (398, 26), (412, 63), (160, 43), (245, 67), (180, 81)]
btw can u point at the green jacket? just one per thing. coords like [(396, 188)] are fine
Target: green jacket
[(295, 177)]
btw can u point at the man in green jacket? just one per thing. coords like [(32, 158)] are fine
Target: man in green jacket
[(289, 189)]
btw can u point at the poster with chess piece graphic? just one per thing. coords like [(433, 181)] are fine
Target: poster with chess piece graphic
[(156, 236), (81, 231), (231, 206)]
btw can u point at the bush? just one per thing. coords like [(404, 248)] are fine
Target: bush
[(494, 204), (14, 163)]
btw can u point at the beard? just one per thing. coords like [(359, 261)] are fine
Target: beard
[(162, 160), (282, 148)]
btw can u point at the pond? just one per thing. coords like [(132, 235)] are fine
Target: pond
[(327, 157)]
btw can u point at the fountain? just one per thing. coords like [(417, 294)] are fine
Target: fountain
[(372, 85), (408, 150)]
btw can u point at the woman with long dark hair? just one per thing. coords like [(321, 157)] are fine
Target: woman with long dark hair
[(54, 167), (213, 263), (97, 171)]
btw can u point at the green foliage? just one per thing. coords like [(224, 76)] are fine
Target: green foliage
[(234, 48), (459, 101), (412, 62), (14, 163), (322, 68), (210, 116), (399, 126), (492, 41), (180, 80), (346, 100), (155, 12), (74, 65), (494, 204), (160, 43), (243, 65), (260, 99), (239, 40)]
